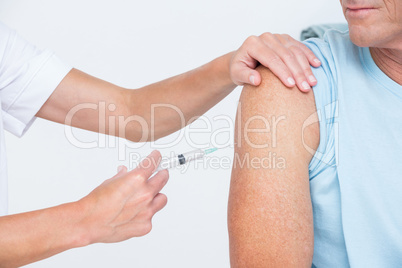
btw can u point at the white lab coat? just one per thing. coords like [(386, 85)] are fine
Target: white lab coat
[(28, 76)]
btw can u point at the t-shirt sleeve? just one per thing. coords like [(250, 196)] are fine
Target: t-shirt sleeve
[(325, 95), (28, 76)]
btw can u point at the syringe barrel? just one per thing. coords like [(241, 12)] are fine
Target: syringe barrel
[(193, 155), (180, 159)]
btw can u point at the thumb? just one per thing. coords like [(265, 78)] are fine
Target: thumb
[(254, 77), (246, 75), (121, 170)]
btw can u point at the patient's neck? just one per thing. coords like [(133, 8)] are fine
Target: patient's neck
[(389, 61)]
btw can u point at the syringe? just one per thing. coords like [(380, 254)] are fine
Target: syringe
[(182, 159)]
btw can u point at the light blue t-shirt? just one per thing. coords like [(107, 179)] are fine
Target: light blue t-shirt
[(356, 174)]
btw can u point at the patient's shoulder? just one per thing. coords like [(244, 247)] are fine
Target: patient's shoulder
[(272, 89), (338, 56), (295, 110), (272, 97)]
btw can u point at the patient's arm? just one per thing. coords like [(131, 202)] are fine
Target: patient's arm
[(270, 214)]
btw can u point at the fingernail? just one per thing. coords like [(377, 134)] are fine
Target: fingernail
[(291, 81), (312, 79), (252, 79), (317, 61), (119, 168), (305, 85)]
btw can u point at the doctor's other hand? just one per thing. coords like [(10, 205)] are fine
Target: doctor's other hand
[(287, 58), (122, 207)]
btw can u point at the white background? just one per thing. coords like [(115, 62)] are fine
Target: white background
[(134, 43)]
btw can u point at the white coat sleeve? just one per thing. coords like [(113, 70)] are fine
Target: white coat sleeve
[(28, 76)]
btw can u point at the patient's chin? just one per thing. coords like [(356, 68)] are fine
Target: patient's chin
[(369, 36), (359, 38)]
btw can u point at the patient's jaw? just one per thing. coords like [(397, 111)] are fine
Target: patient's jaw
[(378, 24), (374, 23)]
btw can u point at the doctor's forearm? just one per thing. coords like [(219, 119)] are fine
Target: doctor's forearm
[(120, 208), (169, 105), (90, 103), (32, 236), (157, 110)]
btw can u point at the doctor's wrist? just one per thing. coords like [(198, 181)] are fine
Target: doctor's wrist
[(80, 235), (221, 71)]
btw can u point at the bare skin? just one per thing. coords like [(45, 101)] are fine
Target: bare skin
[(120, 208), (378, 24), (181, 99), (389, 61), (123, 206), (270, 217)]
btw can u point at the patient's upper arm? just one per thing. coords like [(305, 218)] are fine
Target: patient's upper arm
[(270, 215)]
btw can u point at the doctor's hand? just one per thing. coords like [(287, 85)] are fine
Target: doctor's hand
[(122, 207), (287, 58)]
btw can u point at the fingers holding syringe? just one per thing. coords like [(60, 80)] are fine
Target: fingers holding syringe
[(147, 204), (159, 202), (144, 186), (137, 178), (147, 166), (141, 223), (150, 186), (157, 182), (143, 198), (140, 182)]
